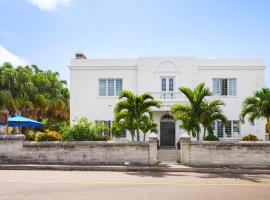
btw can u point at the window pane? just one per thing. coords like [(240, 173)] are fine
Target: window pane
[(119, 86), (228, 129), (163, 84), (232, 86), (224, 86), (108, 125), (102, 87), (170, 84), (216, 86), (124, 134), (236, 127), (110, 87), (219, 129)]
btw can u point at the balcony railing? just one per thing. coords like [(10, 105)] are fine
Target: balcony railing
[(168, 96)]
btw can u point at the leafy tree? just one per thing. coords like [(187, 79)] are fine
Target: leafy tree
[(132, 109), (257, 106), (197, 112), (34, 93)]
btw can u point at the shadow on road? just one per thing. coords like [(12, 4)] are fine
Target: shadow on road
[(154, 174), (246, 177)]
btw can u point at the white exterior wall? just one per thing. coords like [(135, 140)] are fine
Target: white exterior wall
[(143, 75)]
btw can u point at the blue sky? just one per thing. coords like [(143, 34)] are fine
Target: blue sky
[(49, 32)]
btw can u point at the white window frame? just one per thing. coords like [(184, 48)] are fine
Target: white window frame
[(167, 83), (234, 134), (230, 89), (107, 87)]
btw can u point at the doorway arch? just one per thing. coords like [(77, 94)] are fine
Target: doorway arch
[(167, 131)]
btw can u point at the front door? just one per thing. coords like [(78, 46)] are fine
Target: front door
[(167, 131)]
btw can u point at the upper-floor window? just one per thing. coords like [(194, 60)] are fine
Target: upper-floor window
[(110, 87), (225, 86), (167, 84)]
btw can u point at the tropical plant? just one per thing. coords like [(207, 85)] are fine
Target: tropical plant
[(211, 137), (33, 93), (197, 112), (257, 106), (211, 113), (30, 136), (84, 131), (132, 109), (250, 137), (147, 124), (48, 135)]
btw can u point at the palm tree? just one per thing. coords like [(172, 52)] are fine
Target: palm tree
[(197, 112), (147, 125), (124, 121), (34, 93), (212, 112), (185, 115), (257, 106), (192, 112), (134, 108)]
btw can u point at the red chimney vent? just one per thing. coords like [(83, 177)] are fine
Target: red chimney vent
[(80, 56)]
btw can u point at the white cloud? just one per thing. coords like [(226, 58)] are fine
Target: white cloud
[(7, 56), (50, 5)]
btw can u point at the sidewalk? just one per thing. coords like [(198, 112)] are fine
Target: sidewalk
[(164, 167)]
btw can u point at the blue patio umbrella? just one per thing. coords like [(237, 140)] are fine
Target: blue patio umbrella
[(23, 122)]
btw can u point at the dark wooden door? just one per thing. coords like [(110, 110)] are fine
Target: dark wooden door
[(167, 132)]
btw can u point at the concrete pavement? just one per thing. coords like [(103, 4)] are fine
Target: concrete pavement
[(61, 185)]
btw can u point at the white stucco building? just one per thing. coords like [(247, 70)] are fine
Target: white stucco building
[(95, 83)]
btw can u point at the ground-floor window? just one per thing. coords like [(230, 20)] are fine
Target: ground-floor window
[(107, 123), (231, 129)]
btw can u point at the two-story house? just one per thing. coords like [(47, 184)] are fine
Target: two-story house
[(95, 84)]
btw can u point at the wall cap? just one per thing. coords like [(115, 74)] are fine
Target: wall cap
[(12, 137)]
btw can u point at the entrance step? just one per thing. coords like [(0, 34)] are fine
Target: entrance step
[(169, 154)]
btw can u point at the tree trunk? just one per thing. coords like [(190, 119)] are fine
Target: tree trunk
[(144, 136), (204, 132), (198, 136), (132, 135), (138, 134), (268, 126)]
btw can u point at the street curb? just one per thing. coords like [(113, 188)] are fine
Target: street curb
[(133, 169)]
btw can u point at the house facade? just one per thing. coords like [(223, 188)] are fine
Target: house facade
[(96, 83)]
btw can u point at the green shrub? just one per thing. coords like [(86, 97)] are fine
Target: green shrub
[(250, 137), (30, 136), (84, 131), (48, 136), (211, 137)]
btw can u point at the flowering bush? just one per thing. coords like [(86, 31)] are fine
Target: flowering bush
[(48, 136)]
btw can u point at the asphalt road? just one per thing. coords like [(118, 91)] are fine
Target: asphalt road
[(61, 185)]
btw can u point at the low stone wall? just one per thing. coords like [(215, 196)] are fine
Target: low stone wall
[(232, 154), (13, 149)]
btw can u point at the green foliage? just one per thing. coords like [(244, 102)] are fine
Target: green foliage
[(30, 136), (130, 112), (33, 93), (48, 136), (250, 137), (211, 137), (84, 131), (268, 127), (257, 106), (198, 111)]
